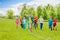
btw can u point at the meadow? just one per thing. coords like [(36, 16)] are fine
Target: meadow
[(8, 31)]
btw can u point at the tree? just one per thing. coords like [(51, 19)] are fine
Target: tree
[(58, 12), (31, 11), (53, 14), (24, 10), (48, 7), (48, 10), (39, 11), (44, 14), (10, 13)]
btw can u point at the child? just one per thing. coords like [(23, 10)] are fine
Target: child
[(21, 22), (17, 22), (41, 22), (50, 23), (32, 19), (29, 23), (54, 24), (24, 23), (35, 22)]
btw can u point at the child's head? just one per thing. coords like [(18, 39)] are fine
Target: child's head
[(40, 16), (16, 18), (23, 17), (30, 14), (54, 17), (50, 17)]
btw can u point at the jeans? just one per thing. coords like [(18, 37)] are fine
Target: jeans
[(41, 24), (50, 26)]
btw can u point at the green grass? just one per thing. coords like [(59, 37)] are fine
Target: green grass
[(8, 31)]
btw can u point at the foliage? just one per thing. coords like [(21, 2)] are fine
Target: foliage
[(39, 11), (44, 14), (58, 12), (10, 13)]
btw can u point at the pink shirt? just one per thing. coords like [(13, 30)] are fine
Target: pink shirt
[(17, 21)]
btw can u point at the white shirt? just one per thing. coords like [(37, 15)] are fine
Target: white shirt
[(41, 20)]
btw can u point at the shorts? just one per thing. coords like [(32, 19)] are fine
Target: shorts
[(54, 25), (50, 25)]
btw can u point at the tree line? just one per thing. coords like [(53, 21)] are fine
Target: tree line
[(45, 11)]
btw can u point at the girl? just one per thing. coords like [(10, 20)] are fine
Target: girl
[(54, 23), (41, 22), (17, 22), (24, 23), (30, 24)]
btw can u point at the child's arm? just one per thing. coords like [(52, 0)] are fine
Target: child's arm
[(43, 20), (39, 19)]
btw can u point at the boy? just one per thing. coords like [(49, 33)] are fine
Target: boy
[(54, 23), (21, 22), (41, 22), (35, 21), (50, 23), (32, 19), (24, 23)]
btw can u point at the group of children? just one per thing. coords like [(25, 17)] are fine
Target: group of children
[(52, 22), (33, 20)]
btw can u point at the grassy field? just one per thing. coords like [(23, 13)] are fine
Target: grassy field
[(8, 31)]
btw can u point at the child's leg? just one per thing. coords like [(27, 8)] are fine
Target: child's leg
[(51, 27), (34, 24), (28, 25), (24, 26), (16, 25), (21, 25), (55, 28), (41, 26)]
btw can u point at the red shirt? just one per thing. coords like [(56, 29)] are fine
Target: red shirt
[(54, 21), (21, 20), (35, 19)]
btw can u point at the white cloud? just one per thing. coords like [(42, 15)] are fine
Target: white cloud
[(17, 7), (3, 11), (45, 2), (14, 7)]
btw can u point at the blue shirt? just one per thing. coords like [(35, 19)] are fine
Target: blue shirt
[(24, 21), (50, 21)]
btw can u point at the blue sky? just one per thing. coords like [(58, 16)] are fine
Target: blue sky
[(14, 4), (8, 3)]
